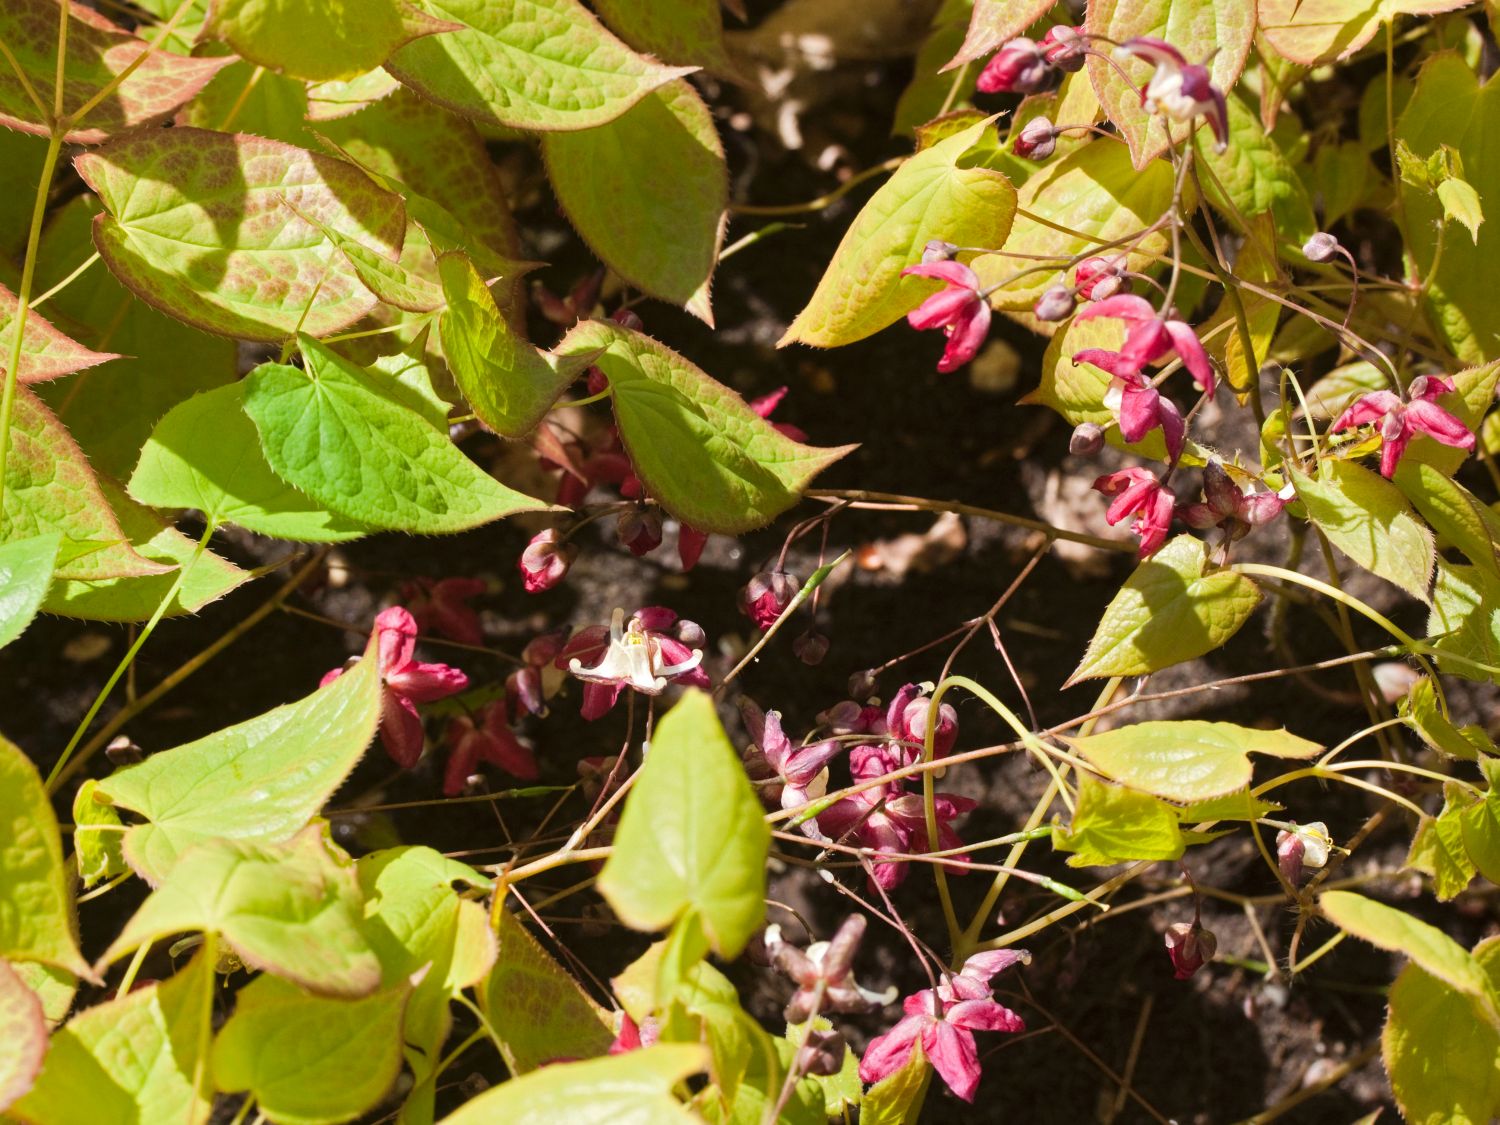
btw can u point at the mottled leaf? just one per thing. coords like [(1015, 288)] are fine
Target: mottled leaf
[(319, 42), (1318, 31), (1253, 176), (995, 22), (45, 352)]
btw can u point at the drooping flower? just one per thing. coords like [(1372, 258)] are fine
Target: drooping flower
[(1137, 493), (490, 740), (1019, 67), (1400, 421), (796, 774), (1226, 505), (442, 607), (1149, 337), (1304, 846), (960, 310), (1178, 88), (1037, 140), (1065, 47), (766, 597), (640, 530), (545, 561), (1056, 303), (525, 693), (906, 720), (1190, 947), (644, 656), (829, 963), (944, 1020), (690, 544), (1141, 408), (1098, 278), (405, 682)]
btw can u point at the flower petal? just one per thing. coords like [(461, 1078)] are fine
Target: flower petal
[(1116, 363), (1122, 306), (400, 729), (1366, 409), (1427, 417), (1194, 358), (969, 332), (984, 1015), (954, 273), (888, 1053), (953, 1055)]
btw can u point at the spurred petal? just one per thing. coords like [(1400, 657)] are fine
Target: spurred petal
[(984, 1015), (461, 763), (1173, 428), (1154, 50), (503, 749), (1393, 450), (801, 767), (953, 1055), (1427, 417), (1122, 306), (1194, 358), (397, 632), (954, 273), (424, 683), (888, 1053), (586, 645), (598, 699), (969, 332), (1115, 363), (984, 966), (1146, 342), (1155, 523), (400, 729), (1140, 411), (1367, 409)]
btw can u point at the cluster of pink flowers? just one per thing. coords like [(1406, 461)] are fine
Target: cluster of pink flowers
[(1401, 419)]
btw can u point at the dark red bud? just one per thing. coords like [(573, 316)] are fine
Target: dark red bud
[(822, 1053), (1190, 947), (640, 530), (767, 596), (545, 561)]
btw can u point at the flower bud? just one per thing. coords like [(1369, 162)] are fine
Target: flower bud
[(1087, 439), (640, 530), (1098, 278), (862, 684), (937, 250), (767, 596), (913, 724), (838, 961), (1019, 67), (1190, 947), (1055, 304), (1304, 846), (821, 1053), (545, 561), (1321, 247), (811, 647), (597, 381), (626, 318), (1037, 140), (121, 751), (1289, 854), (1064, 47)]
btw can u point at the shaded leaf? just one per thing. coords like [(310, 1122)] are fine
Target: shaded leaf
[(685, 32), (1454, 512), (98, 836), (1465, 618), (1480, 825), (319, 41), (1256, 177)]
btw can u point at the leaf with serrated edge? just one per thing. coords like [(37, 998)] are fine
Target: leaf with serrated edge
[(260, 780), (929, 197), (49, 487), (648, 192), (1480, 823), (141, 1057), (98, 53), (36, 910), (1437, 848), (692, 835), (633, 1087), (389, 281), (1454, 512), (1256, 176), (1317, 31), (1186, 760), (336, 435), (1170, 610), (308, 1059), (1104, 199), (1215, 32), (25, 573), (1465, 618), (1366, 517), (539, 1010), (528, 64), (23, 1030), (319, 42), (1441, 1062), (206, 454), (993, 23), (707, 457), (328, 101), (292, 908), (510, 384), (45, 352), (197, 224), (1113, 823), (98, 833)]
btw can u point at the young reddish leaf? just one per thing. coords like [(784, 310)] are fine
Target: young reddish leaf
[(320, 42), (648, 193), (98, 52), (50, 487), (197, 224), (509, 383), (528, 64), (1319, 31), (993, 23), (699, 449), (929, 197), (686, 32), (45, 352), (23, 1030), (1217, 33)]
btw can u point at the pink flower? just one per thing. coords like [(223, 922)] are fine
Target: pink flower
[(1190, 947), (766, 405), (798, 774), (1138, 493), (640, 530), (405, 682), (1141, 408), (944, 1020), (1019, 67), (642, 656), (490, 740), (1179, 89), (906, 720), (545, 561), (1226, 505), (1064, 47), (1148, 338), (525, 693), (960, 310), (766, 597), (1400, 421), (632, 1037), (1098, 278), (440, 607)]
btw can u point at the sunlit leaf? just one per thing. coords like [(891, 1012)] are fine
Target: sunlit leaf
[(1113, 824), (53, 986), (1173, 608), (1443, 1065), (528, 64), (45, 352), (1317, 31), (25, 573), (98, 834), (319, 41), (23, 1030), (1454, 512), (930, 196), (1421, 711), (261, 780), (993, 23), (1438, 849), (1367, 518), (328, 101), (699, 449), (1480, 825), (1256, 176), (1465, 618), (197, 224), (692, 835)]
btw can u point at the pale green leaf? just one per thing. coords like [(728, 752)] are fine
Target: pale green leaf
[(1455, 513), (199, 224), (930, 89), (1113, 824), (328, 101), (1217, 33), (23, 1030), (1317, 31), (319, 42), (1443, 1064), (98, 835), (36, 908), (1253, 176), (1232, 806), (1480, 824), (1421, 711), (1173, 608), (293, 909), (336, 435), (510, 384), (699, 449), (539, 1010), (528, 64), (1461, 203), (206, 454), (390, 281), (693, 834), (306, 1059), (261, 780), (1186, 760), (1438, 849), (634, 1087), (54, 987), (930, 196), (99, 54), (1367, 518), (648, 193), (890, 1100), (1465, 619), (25, 573)]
